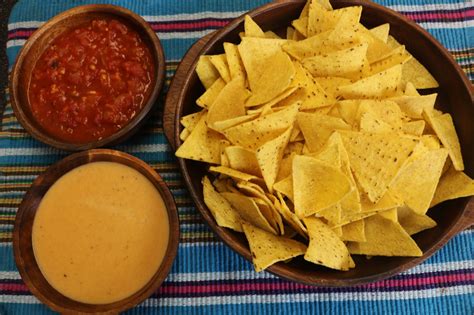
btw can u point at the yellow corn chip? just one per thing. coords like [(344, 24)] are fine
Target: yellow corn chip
[(414, 223), (252, 29), (232, 173), (229, 103), (236, 67), (269, 157), (285, 186), (249, 211), (454, 184), (325, 248), (220, 63), (354, 231), (342, 63), (190, 121), (268, 249), (243, 160), (254, 133), (290, 217), (317, 185), (390, 214), (444, 128), (410, 89), (385, 238), (301, 25), (331, 214), (381, 32), (231, 122), (417, 180), (223, 213), (211, 94), (203, 144), (414, 128), (376, 159), (317, 137), (413, 106), (206, 71), (184, 134), (380, 85)]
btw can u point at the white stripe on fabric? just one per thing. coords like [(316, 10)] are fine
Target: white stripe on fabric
[(430, 7), (281, 298), (451, 25), (192, 16)]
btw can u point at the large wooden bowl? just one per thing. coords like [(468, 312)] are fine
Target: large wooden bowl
[(455, 97), (22, 234), (40, 40)]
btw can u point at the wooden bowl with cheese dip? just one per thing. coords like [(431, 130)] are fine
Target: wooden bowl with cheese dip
[(97, 232)]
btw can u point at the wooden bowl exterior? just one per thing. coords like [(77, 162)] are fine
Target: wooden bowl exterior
[(40, 40), (22, 234), (455, 97)]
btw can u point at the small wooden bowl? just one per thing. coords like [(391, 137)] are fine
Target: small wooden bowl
[(40, 40), (22, 234), (455, 95)]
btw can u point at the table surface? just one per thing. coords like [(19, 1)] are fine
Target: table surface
[(207, 277)]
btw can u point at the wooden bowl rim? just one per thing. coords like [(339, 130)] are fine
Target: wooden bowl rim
[(132, 126), (280, 269), (65, 165)]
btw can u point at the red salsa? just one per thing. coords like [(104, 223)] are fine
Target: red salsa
[(91, 81)]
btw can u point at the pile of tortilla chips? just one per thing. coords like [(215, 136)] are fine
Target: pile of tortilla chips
[(320, 143)]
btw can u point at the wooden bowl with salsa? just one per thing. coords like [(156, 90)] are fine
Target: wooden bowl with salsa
[(96, 233), (87, 78)]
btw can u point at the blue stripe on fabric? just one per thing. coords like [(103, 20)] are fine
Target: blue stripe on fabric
[(218, 257), (34, 10), (439, 305)]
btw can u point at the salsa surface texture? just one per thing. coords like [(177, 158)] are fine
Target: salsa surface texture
[(91, 81)]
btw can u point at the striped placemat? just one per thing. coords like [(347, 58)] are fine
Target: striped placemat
[(208, 277)]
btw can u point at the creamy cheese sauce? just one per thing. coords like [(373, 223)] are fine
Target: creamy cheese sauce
[(100, 233)]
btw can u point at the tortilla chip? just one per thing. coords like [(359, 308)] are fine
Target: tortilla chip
[(206, 99), (379, 85), (243, 160), (385, 238), (290, 31), (321, 20), (331, 214), (325, 248), (206, 71), (317, 185), (231, 122), (348, 110), (430, 141), (317, 137), (414, 72), (224, 214), (203, 144), (414, 223), (413, 106), (249, 211), (385, 110), (342, 63), (354, 231), (417, 180), (268, 249), (232, 173), (269, 157), (410, 89), (190, 121), (184, 134), (331, 84), (229, 103), (220, 63), (311, 94), (252, 29), (376, 159), (301, 25), (285, 186), (396, 57), (454, 184), (388, 201), (369, 122), (270, 34), (236, 67), (390, 214), (290, 217), (414, 128), (254, 133), (444, 128), (274, 76), (268, 210), (381, 32)]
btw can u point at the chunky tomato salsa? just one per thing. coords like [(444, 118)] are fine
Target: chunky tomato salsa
[(91, 81)]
